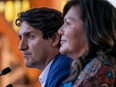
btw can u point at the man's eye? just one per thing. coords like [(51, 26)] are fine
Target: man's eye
[(19, 37), (31, 37)]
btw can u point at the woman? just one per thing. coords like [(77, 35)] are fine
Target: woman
[(88, 35)]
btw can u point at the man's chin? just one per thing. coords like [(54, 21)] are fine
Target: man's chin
[(27, 64)]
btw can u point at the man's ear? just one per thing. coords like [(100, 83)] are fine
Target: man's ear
[(55, 39)]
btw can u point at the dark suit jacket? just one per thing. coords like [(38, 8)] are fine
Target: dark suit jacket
[(59, 70)]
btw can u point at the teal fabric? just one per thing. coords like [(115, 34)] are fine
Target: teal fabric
[(68, 84)]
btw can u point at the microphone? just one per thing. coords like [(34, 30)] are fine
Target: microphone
[(5, 71), (9, 85)]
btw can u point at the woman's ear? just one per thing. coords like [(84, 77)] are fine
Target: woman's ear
[(55, 39)]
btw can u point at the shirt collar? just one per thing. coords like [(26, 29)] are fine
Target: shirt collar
[(44, 74)]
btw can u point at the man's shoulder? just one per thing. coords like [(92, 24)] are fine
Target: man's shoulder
[(61, 62), (62, 59), (59, 70)]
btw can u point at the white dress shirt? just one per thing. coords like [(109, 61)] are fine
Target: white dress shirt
[(44, 74)]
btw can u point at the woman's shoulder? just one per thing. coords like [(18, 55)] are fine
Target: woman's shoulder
[(101, 70), (97, 73)]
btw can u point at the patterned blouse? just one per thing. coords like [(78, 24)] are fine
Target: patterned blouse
[(97, 73)]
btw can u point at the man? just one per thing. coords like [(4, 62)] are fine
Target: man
[(39, 43)]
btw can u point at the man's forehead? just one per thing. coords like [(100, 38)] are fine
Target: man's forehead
[(26, 32)]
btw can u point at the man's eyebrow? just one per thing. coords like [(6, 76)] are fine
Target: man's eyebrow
[(27, 33)]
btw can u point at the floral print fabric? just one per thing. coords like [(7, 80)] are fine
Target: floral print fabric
[(97, 73)]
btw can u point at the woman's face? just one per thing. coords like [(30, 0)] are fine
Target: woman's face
[(73, 34)]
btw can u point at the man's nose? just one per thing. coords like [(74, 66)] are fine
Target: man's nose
[(23, 45)]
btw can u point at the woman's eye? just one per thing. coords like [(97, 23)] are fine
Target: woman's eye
[(67, 23)]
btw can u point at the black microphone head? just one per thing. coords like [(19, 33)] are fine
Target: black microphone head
[(9, 85), (6, 70)]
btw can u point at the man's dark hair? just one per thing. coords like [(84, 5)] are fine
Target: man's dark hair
[(47, 20)]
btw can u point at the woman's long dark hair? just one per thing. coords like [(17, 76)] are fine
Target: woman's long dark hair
[(99, 17)]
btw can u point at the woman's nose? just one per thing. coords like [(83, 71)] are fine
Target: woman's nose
[(60, 31)]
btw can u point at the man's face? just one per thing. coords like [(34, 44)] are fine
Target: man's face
[(33, 46)]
